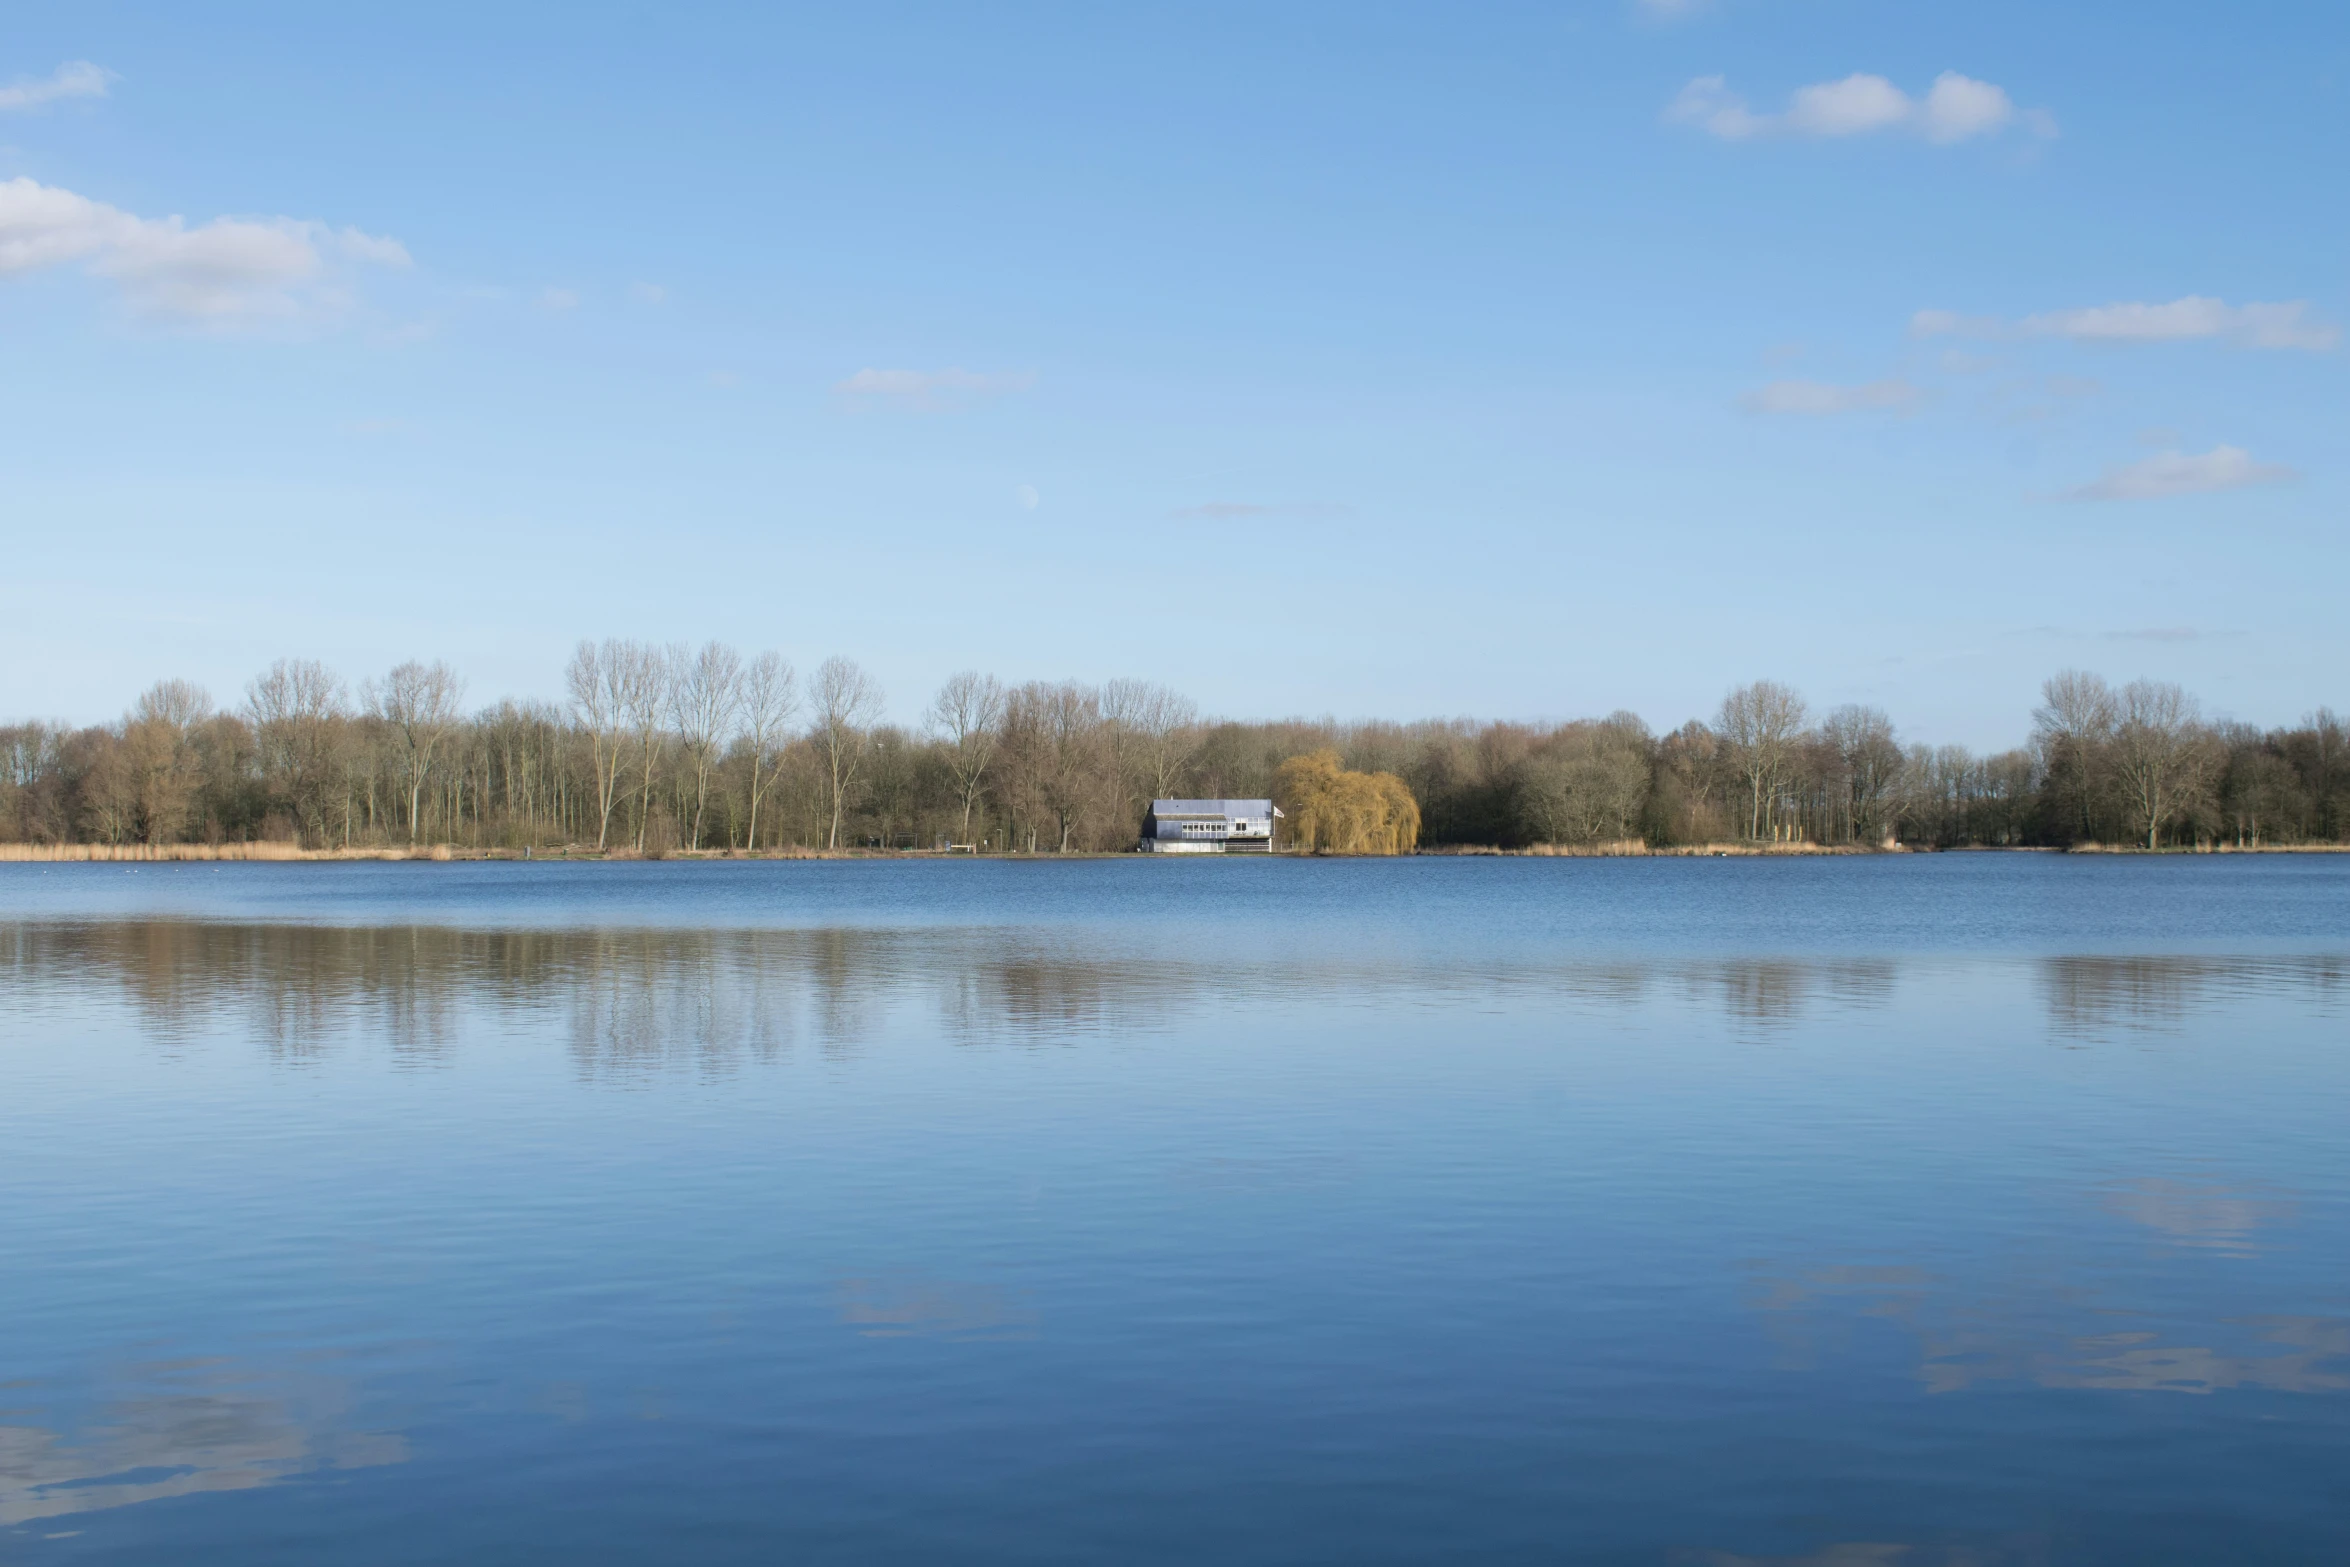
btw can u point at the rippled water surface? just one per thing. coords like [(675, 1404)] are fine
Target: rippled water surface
[(1921, 1211)]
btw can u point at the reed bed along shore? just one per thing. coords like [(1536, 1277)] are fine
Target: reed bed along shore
[(286, 853)]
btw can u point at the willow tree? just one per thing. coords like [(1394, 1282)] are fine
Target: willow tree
[(1328, 810)]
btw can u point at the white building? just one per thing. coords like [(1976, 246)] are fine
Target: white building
[(1209, 827)]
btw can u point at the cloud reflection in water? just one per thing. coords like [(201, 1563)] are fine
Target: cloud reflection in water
[(185, 1427)]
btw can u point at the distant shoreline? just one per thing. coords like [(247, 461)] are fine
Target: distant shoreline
[(283, 853)]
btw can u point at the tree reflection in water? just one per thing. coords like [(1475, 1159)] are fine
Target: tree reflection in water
[(710, 1000)]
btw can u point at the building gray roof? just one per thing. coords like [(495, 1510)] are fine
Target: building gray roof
[(1211, 807)]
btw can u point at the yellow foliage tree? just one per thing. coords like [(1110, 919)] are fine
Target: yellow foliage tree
[(1328, 810)]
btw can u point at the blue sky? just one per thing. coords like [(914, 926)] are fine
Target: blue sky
[(1391, 361)]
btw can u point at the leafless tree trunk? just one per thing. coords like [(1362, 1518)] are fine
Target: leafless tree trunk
[(598, 678), (298, 717), (1069, 721), (847, 701), (644, 699), (2158, 752), (418, 702), (1761, 722), (1158, 729), (706, 697), (770, 697), (968, 714), (159, 737), (2072, 731), (1870, 760)]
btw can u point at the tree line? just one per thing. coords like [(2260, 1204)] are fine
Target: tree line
[(661, 748)]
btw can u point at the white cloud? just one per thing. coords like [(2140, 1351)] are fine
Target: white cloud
[(1710, 105), (73, 79), (1852, 107), (551, 298), (1026, 495), (1669, 10), (1820, 397), (1956, 108), (228, 272), (2283, 324), (2181, 473), (650, 293), (929, 388)]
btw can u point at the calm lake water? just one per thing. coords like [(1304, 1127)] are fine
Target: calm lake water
[(1920, 1211)]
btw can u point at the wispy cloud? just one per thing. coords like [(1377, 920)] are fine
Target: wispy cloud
[(73, 79), (929, 389), (1669, 10), (2181, 473), (650, 293), (1956, 108), (2284, 324), (551, 298), (1892, 395), (224, 274), (2156, 634)]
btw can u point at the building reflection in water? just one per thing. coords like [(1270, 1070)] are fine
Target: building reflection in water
[(631, 1000)]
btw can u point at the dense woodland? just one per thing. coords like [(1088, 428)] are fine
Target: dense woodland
[(662, 749)]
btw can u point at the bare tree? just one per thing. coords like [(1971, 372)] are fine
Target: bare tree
[(1870, 761), (847, 702), (598, 678), (2325, 747), (2072, 730), (1071, 748), (706, 694), (159, 737), (644, 699), (298, 718), (418, 702), (1761, 722), (1156, 730), (770, 696), (1590, 783), (2158, 750), (968, 714)]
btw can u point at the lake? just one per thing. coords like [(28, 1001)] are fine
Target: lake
[(1917, 1210)]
